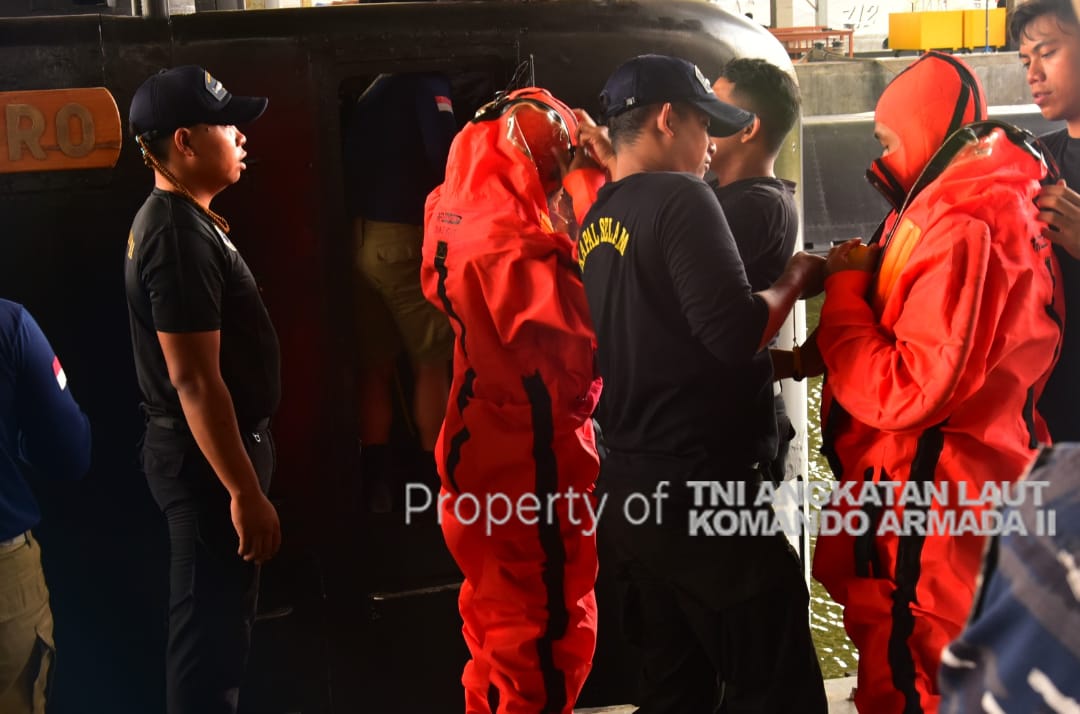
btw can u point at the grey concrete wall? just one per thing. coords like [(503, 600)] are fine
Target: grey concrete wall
[(854, 86)]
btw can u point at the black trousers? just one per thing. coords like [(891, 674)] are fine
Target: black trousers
[(756, 656), (785, 432), (212, 591), (722, 622)]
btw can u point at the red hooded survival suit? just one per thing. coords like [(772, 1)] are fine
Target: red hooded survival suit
[(933, 369), (517, 444)]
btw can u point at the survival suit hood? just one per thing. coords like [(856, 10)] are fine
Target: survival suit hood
[(538, 125), (923, 105)]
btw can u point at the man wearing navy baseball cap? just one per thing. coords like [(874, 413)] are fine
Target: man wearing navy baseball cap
[(688, 402), (207, 361), (658, 79), (185, 96)]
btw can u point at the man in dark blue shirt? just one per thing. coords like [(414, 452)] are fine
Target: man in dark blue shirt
[(42, 427), (396, 143)]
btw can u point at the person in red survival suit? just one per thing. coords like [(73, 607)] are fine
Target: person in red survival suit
[(516, 454), (934, 365)]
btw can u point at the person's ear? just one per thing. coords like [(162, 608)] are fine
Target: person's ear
[(664, 123), (750, 131), (182, 141)]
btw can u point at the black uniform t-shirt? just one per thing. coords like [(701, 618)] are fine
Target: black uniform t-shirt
[(764, 220), (184, 275), (1060, 402), (677, 325)]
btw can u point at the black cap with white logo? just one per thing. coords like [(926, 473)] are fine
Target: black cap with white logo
[(185, 96), (655, 79)]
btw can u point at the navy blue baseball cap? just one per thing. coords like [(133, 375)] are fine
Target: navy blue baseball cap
[(185, 96), (655, 79)]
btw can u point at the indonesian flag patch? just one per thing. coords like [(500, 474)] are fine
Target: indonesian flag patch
[(58, 372), (443, 104)]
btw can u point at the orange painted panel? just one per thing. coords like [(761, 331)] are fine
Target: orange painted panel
[(59, 130)]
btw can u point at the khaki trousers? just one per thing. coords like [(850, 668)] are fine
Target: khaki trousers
[(26, 629)]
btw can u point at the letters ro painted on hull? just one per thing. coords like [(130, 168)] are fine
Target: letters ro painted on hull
[(59, 130)]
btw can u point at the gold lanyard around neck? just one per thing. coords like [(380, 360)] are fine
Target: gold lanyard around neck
[(153, 162)]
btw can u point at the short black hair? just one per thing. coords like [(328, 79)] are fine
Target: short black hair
[(769, 92), (158, 143), (626, 127), (1026, 13)]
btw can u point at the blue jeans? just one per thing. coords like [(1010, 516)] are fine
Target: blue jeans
[(212, 590)]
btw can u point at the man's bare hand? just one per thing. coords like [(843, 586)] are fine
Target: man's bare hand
[(852, 255), (1059, 208), (809, 270), (803, 277), (256, 522), (594, 141)]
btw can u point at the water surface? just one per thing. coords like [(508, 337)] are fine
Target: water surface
[(837, 655)]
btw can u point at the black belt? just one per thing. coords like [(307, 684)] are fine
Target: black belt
[(175, 424)]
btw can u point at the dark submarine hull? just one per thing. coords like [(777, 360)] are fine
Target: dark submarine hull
[(358, 612)]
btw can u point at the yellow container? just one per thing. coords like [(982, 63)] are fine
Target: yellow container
[(975, 28), (931, 30)]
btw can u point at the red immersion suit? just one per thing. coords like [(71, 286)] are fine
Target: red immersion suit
[(934, 366), (518, 420)]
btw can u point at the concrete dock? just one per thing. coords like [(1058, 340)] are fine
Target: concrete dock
[(852, 86)]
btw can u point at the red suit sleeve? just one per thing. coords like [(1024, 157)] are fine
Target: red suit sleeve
[(942, 315)]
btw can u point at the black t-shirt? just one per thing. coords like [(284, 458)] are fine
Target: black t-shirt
[(1060, 403), (763, 219), (184, 275), (676, 323)]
